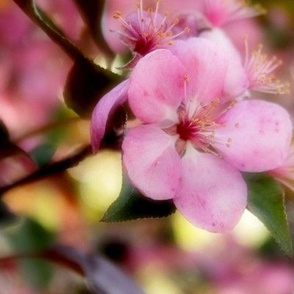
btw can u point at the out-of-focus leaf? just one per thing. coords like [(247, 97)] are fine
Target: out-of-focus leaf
[(131, 205), (102, 276), (91, 12), (4, 134), (42, 154), (266, 201), (85, 85), (36, 272), (30, 238), (6, 216)]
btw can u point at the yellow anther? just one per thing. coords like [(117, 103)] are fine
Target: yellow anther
[(187, 30), (176, 21), (117, 14)]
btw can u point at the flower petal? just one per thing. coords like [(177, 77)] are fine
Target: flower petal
[(152, 162), (103, 110), (285, 172), (255, 135), (236, 82), (206, 66), (212, 194), (157, 87)]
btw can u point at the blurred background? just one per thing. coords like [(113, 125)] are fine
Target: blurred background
[(165, 255)]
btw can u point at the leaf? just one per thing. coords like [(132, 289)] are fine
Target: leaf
[(42, 154), (6, 216), (4, 134), (101, 275), (266, 202), (36, 272), (30, 236), (85, 85), (131, 205), (28, 239)]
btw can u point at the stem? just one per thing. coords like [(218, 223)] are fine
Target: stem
[(46, 128), (50, 169)]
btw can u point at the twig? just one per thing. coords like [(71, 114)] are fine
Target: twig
[(50, 169)]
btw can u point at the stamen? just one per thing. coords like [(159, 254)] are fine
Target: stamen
[(220, 12), (260, 70), (149, 31)]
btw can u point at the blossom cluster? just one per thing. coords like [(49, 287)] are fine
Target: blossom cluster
[(199, 120)]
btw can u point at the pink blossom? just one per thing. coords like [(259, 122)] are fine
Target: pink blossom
[(255, 71), (192, 145), (140, 26), (236, 80), (220, 12), (261, 72), (32, 69)]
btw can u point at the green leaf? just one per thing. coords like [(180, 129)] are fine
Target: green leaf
[(42, 154), (36, 272), (32, 238), (85, 85), (131, 205), (266, 202), (6, 216)]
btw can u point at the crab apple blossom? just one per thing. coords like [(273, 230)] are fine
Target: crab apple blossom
[(255, 71), (191, 145), (260, 71), (220, 12), (144, 29)]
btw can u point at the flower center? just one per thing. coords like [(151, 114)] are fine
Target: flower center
[(198, 126), (146, 30)]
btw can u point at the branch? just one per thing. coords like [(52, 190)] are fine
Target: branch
[(50, 169)]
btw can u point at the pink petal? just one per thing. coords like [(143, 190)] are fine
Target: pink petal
[(110, 24), (206, 65), (212, 194), (255, 135), (157, 86), (235, 82), (284, 173), (103, 110), (151, 161)]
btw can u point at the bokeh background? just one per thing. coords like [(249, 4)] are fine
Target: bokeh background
[(165, 255)]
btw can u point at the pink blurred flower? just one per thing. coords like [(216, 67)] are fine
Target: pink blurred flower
[(189, 130), (145, 26), (32, 69), (145, 29), (220, 12), (255, 71), (261, 72)]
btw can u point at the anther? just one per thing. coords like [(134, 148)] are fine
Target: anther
[(117, 14)]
